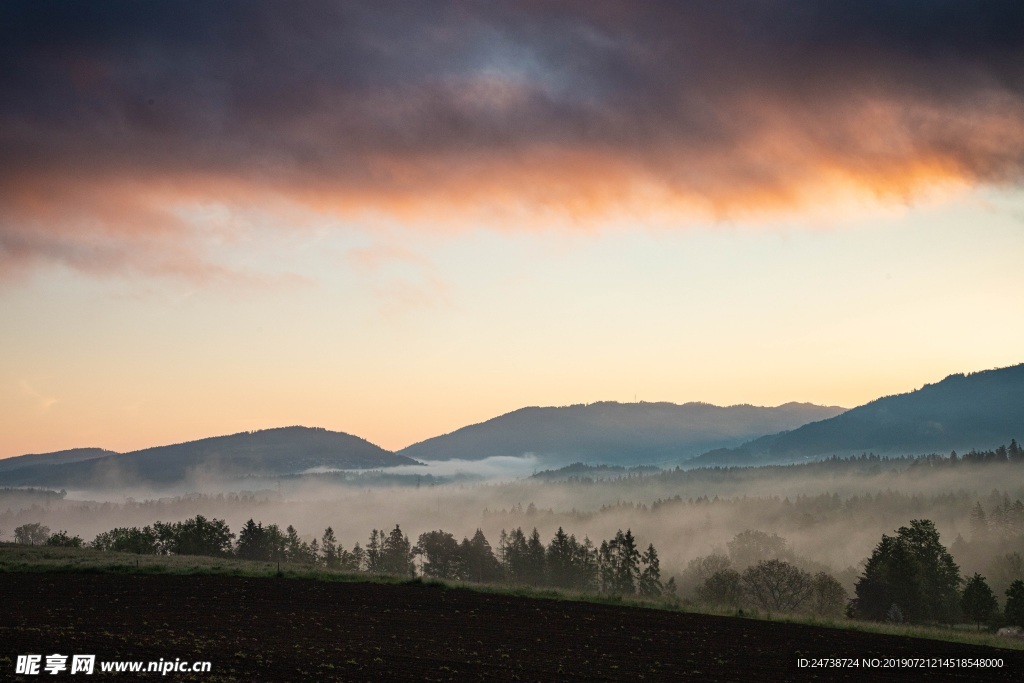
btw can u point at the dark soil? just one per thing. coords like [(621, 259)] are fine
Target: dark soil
[(287, 630)]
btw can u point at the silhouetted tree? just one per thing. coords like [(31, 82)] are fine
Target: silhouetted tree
[(195, 536), (828, 597), (396, 554), (586, 564), (775, 585), (252, 542), (650, 577), (33, 533), (441, 556), (329, 547), (374, 555), (277, 543), (724, 588), (358, 558), (978, 602), (502, 545), (516, 557), (560, 560), (142, 541), (1014, 610), (619, 562), (606, 566), (61, 539), (295, 549), (478, 561), (700, 569), (535, 564), (914, 571)]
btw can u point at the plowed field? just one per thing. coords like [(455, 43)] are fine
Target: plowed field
[(290, 630)]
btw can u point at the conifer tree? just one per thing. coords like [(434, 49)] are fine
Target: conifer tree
[(979, 522), (627, 572), (650, 577), (294, 550), (478, 561), (358, 558), (978, 601), (396, 554), (252, 541), (516, 554), (914, 571), (329, 547), (586, 566), (560, 556), (1014, 610), (535, 565), (373, 553)]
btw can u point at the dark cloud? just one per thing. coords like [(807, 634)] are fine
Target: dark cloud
[(726, 105)]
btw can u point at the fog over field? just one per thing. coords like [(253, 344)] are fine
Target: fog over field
[(831, 514), (708, 308)]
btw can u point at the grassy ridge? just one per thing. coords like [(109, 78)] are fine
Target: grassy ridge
[(23, 558)]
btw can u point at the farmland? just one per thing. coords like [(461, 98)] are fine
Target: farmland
[(282, 629)]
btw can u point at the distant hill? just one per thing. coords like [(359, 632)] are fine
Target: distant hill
[(59, 457), (270, 452), (977, 410), (616, 433)]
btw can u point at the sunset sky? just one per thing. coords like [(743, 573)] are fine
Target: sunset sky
[(394, 219)]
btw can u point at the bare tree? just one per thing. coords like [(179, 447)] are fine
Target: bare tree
[(775, 585)]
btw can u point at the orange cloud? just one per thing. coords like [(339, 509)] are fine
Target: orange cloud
[(121, 120)]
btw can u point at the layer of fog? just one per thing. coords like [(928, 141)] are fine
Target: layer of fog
[(837, 534), (497, 468)]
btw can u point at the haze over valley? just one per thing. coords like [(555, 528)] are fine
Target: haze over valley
[(827, 512), (710, 307)]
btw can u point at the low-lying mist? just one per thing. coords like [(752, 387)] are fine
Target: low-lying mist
[(495, 469), (831, 514)]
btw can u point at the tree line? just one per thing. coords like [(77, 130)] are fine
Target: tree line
[(760, 571), (1003, 522), (910, 577), (617, 566)]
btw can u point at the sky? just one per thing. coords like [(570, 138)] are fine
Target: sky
[(394, 219)]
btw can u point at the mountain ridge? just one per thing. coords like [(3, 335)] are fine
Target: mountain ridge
[(265, 452), (961, 411), (54, 457), (615, 433)]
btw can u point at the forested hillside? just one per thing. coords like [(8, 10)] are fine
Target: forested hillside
[(981, 409), (268, 452), (616, 433)]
